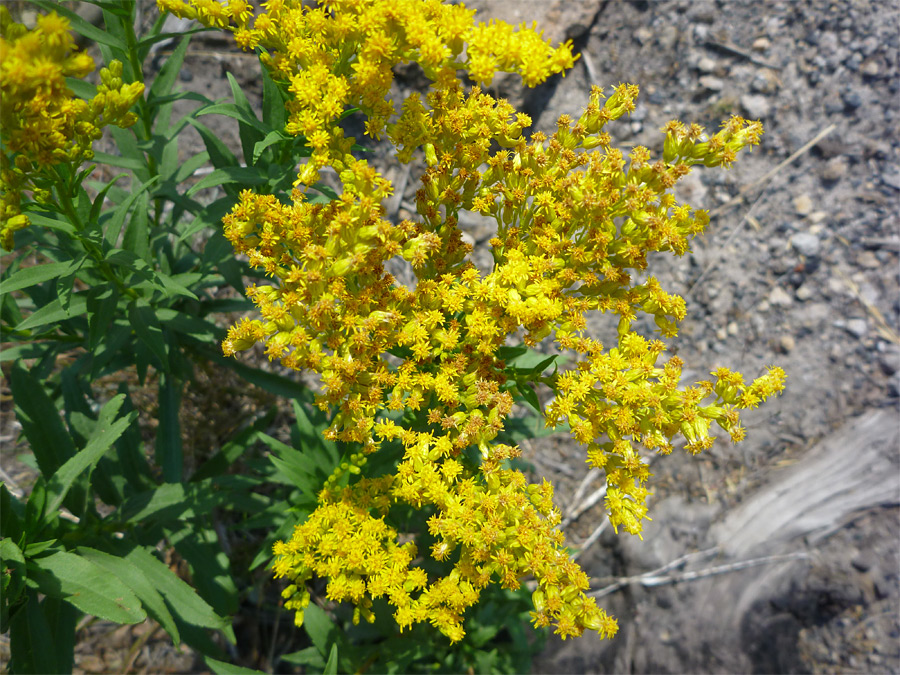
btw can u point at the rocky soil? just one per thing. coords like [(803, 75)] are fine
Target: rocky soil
[(781, 554)]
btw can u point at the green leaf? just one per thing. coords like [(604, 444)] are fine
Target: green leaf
[(331, 667), (133, 577), (100, 199), (81, 88), (146, 42), (168, 434), (12, 513), (106, 432), (271, 138), (189, 167), (306, 657), (114, 226), (243, 175), (29, 636), (210, 566), (273, 110), (291, 518), (89, 587), (53, 312), (36, 548), (137, 233), (312, 434), (292, 464), (40, 420), (148, 329), (168, 74), (170, 502), (529, 396), (34, 508), (198, 329), (183, 599), (219, 154), (172, 288), (56, 224), (320, 628), (250, 129), (222, 668), (12, 567), (29, 276), (119, 161), (102, 303)]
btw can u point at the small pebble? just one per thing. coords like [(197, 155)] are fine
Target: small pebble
[(852, 100), (806, 244), (733, 328), (761, 44), (756, 106), (706, 65), (868, 260), (817, 217), (643, 35), (780, 298), (857, 327), (711, 83), (889, 362), (804, 293), (786, 344), (891, 178), (835, 169), (803, 205), (870, 68)]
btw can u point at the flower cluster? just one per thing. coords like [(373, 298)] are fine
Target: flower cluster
[(42, 123), (576, 220), (339, 56)]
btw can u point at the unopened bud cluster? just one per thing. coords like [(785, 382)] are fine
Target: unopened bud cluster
[(576, 220)]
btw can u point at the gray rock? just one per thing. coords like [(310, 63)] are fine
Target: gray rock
[(806, 244), (711, 83), (889, 361), (856, 327), (852, 100), (891, 177), (756, 106)]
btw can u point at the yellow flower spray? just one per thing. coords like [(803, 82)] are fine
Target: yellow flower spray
[(42, 123), (575, 220)]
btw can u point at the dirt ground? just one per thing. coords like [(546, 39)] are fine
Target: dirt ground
[(781, 554)]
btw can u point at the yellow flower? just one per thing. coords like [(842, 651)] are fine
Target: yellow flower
[(42, 123), (576, 224)]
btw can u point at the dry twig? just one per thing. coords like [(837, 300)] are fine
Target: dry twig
[(657, 578)]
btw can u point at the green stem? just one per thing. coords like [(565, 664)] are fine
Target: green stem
[(145, 114), (64, 192)]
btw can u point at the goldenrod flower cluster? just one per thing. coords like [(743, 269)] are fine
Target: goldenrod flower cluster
[(420, 368), (42, 123)]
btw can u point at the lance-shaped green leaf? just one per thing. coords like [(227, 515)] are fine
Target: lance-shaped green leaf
[(106, 432), (30, 276), (133, 577), (89, 587), (183, 599)]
